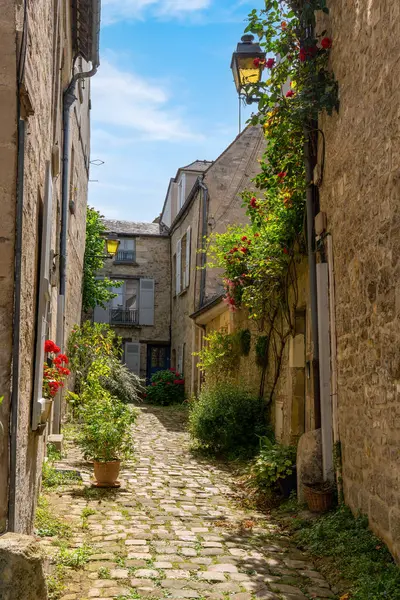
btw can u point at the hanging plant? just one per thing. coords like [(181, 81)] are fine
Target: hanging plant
[(262, 350), (243, 337)]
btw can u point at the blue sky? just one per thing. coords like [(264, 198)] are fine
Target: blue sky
[(163, 97)]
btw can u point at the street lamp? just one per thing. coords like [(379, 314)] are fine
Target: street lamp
[(247, 66), (112, 244)]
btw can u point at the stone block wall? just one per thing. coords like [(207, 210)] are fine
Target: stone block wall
[(361, 196), (8, 174)]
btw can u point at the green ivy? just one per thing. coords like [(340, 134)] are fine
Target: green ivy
[(95, 291)]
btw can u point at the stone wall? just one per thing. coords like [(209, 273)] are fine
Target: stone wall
[(152, 261), (360, 195), (8, 174), (228, 176), (47, 70)]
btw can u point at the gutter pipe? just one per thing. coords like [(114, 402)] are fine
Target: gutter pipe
[(203, 234), (68, 100), (309, 158)]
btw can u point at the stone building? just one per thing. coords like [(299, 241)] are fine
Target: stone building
[(211, 204), (48, 52), (140, 311), (360, 196)]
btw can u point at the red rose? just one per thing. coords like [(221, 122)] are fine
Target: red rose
[(311, 50), (244, 250), (282, 174), (63, 358), (235, 249), (285, 251), (256, 235), (270, 63), (326, 43), (289, 94), (302, 55), (244, 238), (253, 202)]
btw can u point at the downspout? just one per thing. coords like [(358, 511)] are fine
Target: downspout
[(203, 235), (68, 100), (309, 160)]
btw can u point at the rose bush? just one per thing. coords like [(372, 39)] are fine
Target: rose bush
[(166, 387)]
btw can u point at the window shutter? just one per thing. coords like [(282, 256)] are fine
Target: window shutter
[(44, 298), (101, 315), (187, 274), (132, 357), (119, 299), (178, 266), (146, 302), (180, 359)]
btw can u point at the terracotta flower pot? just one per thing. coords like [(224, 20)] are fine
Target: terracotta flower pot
[(319, 498), (106, 473)]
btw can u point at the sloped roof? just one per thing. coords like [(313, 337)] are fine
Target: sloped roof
[(197, 165), (132, 227)]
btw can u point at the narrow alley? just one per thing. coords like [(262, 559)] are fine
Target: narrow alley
[(175, 530)]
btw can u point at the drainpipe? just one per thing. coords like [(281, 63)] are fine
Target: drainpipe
[(309, 159), (68, 100), (203, 235)]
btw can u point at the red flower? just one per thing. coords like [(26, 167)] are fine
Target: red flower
[(282, 174), (302, 55), (235, 249), (244, 238), (153, 383), (179, 381), (285, 251), (256, 62), (168, 383), (63, 358), (253, 202), (289, 94), (256, 235), (311, 51), (283, 24), (326, 43), (244, 250), (270, 63), (50, 346)]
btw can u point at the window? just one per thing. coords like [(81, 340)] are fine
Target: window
[(132, 356), (181, 191), (126, 251), (133, 304), (182, 262)]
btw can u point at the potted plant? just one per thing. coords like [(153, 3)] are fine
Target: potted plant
[(319, 496), (276, 466), (106, 438)]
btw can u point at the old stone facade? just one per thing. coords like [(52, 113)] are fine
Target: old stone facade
[(41, 48), (212, 203), (360, 195), (140, 313)]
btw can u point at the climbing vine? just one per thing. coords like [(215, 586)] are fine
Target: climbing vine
[(259, 259)]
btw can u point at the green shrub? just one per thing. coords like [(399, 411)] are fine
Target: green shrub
[(274, 462), (122, 383), (105, 432), (166, 387), (227, 418)]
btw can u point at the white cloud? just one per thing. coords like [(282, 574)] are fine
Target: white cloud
[(114, 10), (136, 107)]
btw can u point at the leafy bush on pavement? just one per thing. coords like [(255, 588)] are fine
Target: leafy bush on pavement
[(227, 418), (166, 388)]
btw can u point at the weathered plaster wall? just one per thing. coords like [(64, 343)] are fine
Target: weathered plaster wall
[(8, 168), (361, 195)]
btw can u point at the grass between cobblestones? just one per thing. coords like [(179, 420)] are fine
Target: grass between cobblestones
[(346, 551)]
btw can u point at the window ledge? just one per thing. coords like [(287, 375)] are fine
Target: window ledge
[(183, 292), (131, 263)]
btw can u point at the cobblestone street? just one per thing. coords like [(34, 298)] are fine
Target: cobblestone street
[(175, 530)]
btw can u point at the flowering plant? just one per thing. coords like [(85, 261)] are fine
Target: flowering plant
[(55, 371), (166, 387)]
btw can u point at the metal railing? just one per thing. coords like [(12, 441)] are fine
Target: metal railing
[(125, 256), (123, 316)]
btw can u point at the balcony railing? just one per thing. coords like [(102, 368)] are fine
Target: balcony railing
[(125, 256), (124, 316)]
